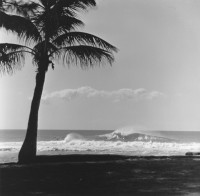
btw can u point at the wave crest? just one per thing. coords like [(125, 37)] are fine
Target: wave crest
[(73, 136), (133, 135), (125, 131)]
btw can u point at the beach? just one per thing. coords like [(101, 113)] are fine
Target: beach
[(102, 163), (102, 175)]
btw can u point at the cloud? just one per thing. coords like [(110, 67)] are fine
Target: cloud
[(89, 92)]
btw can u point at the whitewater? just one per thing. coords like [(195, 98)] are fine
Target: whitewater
[(121, 141)]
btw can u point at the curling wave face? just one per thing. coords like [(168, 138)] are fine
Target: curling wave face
[(117, 142)]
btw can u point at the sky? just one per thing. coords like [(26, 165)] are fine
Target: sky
[(154, 83)]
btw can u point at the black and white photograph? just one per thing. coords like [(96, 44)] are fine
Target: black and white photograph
[(99, 97)]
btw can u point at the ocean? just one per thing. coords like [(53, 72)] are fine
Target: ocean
[(124, 141)]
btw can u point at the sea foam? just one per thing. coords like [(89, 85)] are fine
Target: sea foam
[(133, 143)]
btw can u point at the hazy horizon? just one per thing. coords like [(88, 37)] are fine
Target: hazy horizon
[(119, 128)]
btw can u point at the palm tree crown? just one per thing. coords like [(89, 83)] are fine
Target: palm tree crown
[(51, 27)]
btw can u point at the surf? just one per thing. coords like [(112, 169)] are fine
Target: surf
[(124, 141)]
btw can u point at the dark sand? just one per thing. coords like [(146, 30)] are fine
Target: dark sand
[(102, 175)]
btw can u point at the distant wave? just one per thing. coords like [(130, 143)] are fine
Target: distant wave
[(121, 141), (120, 135), (73, 136), (131, 137)]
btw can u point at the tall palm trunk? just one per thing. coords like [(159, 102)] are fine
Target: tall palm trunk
[(29, 147)]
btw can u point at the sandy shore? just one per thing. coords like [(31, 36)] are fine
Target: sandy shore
[(102, 175)]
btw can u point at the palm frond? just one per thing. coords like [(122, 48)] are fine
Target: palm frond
[(48, 3), (76, 4), (4, 5), (68, 5), (23, 27), (8, 47), (26, 9), (85, 56), (82, 38), (64, 24), (2, 2), (12, 57), (68, 23), (56, 24)]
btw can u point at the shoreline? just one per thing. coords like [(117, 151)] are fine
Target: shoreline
[(70, 158), (102, 175)]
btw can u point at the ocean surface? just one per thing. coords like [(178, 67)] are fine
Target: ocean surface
[(124, 141)]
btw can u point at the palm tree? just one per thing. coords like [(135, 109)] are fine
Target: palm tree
[(49, 32)]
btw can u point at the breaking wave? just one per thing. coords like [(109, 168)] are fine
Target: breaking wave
[(125, 142), (73, 136), (133, 137)]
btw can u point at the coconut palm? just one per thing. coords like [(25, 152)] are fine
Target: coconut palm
[(48, 31)]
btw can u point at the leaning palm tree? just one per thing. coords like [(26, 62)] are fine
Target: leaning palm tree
[(48, 31)]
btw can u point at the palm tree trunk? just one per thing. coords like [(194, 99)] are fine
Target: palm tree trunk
[(28, 150)]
